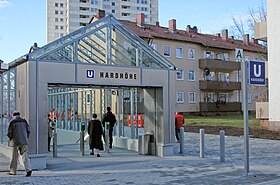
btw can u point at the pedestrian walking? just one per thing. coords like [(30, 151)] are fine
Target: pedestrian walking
[(179, 122), (111, 118), (18, 133), (95, 132)]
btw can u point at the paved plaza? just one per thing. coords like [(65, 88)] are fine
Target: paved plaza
[(127, 167)]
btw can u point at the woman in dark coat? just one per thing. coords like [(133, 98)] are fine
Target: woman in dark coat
[(95, 132)]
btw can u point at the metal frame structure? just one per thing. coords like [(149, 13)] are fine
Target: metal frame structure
[(7, 101), (104, 42)]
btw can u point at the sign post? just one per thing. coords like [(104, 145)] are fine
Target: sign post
[(245, 116), (244, 63)]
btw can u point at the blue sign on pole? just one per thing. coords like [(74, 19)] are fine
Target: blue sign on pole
[(257, 73)]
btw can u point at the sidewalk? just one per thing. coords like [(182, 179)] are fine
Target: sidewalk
[(127, 167)]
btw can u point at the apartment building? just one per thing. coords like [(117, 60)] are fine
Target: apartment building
[(208, 76), (65, 16)]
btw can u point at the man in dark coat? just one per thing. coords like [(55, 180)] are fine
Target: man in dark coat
[(111, 118), (18, 133), (95, 132)]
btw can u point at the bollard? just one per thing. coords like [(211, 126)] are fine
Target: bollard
[(82, 142), (107, 127), (54, 139), (182, 140), (222, 146), (201, 131)]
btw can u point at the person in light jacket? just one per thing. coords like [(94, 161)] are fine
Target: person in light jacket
[(18, 133)]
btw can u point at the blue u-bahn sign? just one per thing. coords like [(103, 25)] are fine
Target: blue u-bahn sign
[(257, 73)]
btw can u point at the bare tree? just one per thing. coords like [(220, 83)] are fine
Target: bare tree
[(241, 26), (238, 30)]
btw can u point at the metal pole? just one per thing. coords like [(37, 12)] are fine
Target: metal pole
[(245, 116), (54, 139), (122, 92), (119, 113), (132, 113), (201, 131), (82, 142), (182, 140), (107, 125), (222, 146)]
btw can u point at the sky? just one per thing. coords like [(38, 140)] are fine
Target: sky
[(23, 22)]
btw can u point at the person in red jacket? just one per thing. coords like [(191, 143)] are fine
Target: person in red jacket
[(179, 122)]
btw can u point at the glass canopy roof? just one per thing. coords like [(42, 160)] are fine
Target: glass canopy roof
[(105, 42)]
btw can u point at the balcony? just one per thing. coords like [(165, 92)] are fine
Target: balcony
[(218, 85), (220, 106), (260, 30), (215, 64)]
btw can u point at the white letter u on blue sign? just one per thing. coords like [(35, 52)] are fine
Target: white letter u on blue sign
[(257, 73), (90, 73)]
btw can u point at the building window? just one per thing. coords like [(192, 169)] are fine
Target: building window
[(56, 27), (56, 19), (88, 98), (180, 97), (61, 12), (166, 51), (125, 14), (113, 11), (209, 54), (239, 77), (192, 97), (191, 53), (154, 46), (94, 9), (144, 2), (191, 75), (106, 0), (222, 56), (94, 2), (209, 97), (180, 74), (56, 12), (61, 5), (113, 3), (224, 97), (106, 6), (179, 52), (61, 27), (211, 76), (61, 19), (56, 4), (144, 9), (224, 77)]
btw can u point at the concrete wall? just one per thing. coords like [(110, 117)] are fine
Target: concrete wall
[(273, 34)]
